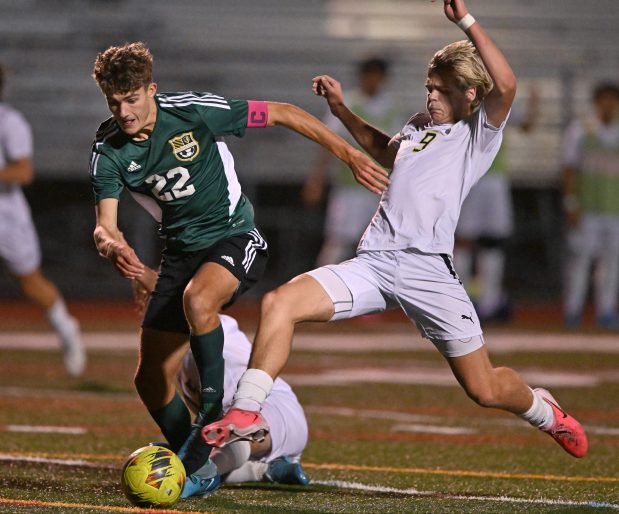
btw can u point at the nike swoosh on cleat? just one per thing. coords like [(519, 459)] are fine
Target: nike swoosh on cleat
[(555, 405)]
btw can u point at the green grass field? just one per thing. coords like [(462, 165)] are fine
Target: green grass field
[(392, 435)]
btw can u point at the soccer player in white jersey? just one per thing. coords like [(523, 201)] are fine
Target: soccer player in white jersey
[(19, 243), (277, 458), (404, 257)]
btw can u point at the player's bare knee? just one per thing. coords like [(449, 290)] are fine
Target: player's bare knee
[(200, 309), (276, 303)]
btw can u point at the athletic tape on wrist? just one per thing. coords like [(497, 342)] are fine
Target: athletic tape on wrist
[(466, 22)]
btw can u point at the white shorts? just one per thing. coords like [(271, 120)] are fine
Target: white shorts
[(425, 286), (487, 210), (19, 243), (595, 234), (349, 212)]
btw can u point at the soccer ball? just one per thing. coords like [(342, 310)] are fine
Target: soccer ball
[(153, 476)]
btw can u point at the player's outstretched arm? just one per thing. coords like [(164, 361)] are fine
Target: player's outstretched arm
[(111, 243), (374, 141), (498, 102), (366, 172)]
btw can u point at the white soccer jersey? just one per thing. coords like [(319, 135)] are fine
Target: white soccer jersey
[(15, 141), (19, 243), (434, 171)]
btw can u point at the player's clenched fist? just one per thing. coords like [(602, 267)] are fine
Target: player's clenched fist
[(331, 89)]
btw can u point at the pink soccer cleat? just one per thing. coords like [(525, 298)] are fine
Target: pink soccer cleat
[(236, 425), (565, 429)]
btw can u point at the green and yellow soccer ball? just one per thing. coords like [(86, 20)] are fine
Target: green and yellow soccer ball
[(153, 476)]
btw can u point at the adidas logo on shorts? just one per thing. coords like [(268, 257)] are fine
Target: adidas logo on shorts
[(228, 259)]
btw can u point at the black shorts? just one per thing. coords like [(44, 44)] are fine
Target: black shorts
[(245, 256)]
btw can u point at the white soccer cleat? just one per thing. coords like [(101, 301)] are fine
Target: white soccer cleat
[(73, 349)]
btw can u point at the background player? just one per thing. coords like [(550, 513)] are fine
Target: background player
[(19, 243), (350, 206), (591, 206), (404, 257), (167, 149)]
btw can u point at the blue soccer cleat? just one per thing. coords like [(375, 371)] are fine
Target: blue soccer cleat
[(203, 483), (284, 470)]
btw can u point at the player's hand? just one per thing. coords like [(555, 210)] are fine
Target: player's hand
[(369, 174), (331, 89), (142, 288), (312, 192), (125, 260), (572, 218), (455, 10), (141, 295)]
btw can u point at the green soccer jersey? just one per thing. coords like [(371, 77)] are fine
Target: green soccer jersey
[(183, 174)]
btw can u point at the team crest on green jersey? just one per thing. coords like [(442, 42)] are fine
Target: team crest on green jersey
[(185, 147)]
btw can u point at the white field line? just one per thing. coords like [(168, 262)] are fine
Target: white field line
[(404, 420), (499, 342), (445, 496), (433, 429), (357, 486), (44, 460), (42, 429)]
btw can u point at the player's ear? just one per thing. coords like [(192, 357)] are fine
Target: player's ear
[(470, 94), (151, 89)]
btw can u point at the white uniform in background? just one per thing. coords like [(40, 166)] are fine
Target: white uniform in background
[(19, 243), (282, 410), (405, 255), (592, 148)]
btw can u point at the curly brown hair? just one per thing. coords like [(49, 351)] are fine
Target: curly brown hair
[(121, 69)]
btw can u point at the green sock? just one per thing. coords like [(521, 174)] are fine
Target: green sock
[(208, 350), (174, 421)]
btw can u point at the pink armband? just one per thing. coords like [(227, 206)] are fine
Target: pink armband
[(257, 114)]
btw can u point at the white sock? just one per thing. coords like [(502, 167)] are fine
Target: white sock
[(251, 471), (540, 413), (231, 457), (62, 322), (254, 386)]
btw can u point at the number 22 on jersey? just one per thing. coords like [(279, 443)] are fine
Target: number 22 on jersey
[(180, 175)]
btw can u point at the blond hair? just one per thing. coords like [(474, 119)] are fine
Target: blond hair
[(121, 69), (462, 59)]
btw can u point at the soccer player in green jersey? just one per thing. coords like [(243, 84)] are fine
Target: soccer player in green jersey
[(166, 149)]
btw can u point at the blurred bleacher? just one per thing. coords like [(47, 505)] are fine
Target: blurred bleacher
[(271, 49)]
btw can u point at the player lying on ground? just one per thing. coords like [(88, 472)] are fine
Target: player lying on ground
[(404, 258), (277, 457), (168, 151)]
